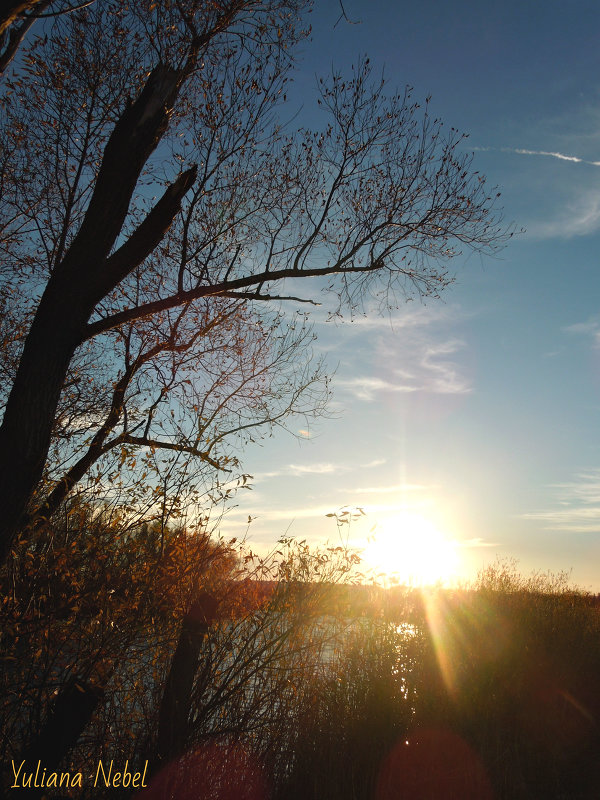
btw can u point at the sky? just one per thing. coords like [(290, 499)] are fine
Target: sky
[(472, 420)]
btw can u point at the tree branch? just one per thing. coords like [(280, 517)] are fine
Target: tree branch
[(144, 441), (225, 289), (11, 10), (147, 235), (78, 7), (258, 296), (12, 39), (344, 16)]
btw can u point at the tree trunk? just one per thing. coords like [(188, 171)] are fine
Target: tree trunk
[(68, 718), (177, 696), (86, 274), (30, 411)]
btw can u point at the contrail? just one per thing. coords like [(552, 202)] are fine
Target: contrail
[(521, 151)]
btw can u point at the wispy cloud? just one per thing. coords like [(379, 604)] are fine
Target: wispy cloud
[(590, 329), (577, 206), (559, 156), (577, 505), (445, 375), (476, 541), (296, 470), (376, 462), (548, 153), (580, 216), (317, 468), (553, 353), (399, 488), (313, 469), (569, 520), (426, 367), (365, 388), (415, 315), (320, 511), (412, 315), (287, 514)]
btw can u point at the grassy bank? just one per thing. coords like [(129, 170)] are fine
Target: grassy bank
[(317, 690), (490, 692)]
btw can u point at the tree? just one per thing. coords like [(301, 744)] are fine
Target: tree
[(107, 628), (88, 603), (120, 102), (17, 17)]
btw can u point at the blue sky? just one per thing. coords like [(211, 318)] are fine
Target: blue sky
[(479, 413)]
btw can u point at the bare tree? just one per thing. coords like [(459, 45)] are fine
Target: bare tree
[(170, 298)]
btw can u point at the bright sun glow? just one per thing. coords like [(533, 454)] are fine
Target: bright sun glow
[(408, 548)]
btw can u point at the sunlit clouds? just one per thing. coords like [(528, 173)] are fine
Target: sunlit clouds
[(431, 372), (367, 389), (416, 351)]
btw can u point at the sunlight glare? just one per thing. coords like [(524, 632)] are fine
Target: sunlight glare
[(409, 549)]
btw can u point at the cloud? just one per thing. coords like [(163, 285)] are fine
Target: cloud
[(426, 367), (366, 388), (548, 153), (313, 469), (398, 488), (377, 462), (445, 375), (476, 541), (576, 198), (409, 316), (296, 470), (553, 353), (559, 156), (318, 468), (591, 328), (579, 505), (586, 488), (286, 514), (580, 217), (413, 344), (290, 513), (412, 316), (571, 520)]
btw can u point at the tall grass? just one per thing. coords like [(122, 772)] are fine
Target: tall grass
[(492, 692), (344, 692)]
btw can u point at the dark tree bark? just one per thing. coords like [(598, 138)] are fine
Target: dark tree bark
[(14, 25), (67, 719), (12, 10), (177, 697), (85, 275)]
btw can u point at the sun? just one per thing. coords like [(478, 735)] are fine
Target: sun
[(409, 549)]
